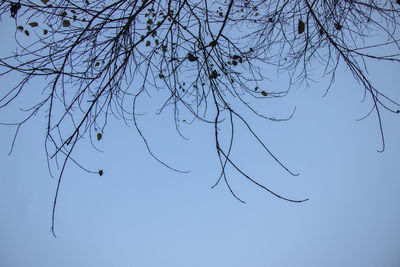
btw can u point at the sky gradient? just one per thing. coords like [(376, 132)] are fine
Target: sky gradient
[(139, 213)]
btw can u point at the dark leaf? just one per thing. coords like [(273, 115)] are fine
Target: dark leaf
[(33, 24), (301, 27), (214, 74), (192, 57), (213, 43), (14, 9), (66, 23), (338, 26)]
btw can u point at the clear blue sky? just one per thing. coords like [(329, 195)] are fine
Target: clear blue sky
[(141, 214)]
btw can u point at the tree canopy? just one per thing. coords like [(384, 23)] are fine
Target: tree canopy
[(205, 60)]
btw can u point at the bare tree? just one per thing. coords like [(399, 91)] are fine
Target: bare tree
[(97, 58)]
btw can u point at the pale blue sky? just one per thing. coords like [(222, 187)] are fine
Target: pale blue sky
[(141, 214)]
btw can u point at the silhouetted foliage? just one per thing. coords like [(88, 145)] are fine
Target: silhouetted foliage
[(97, 58)]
